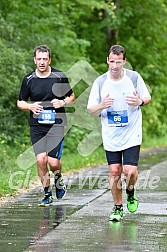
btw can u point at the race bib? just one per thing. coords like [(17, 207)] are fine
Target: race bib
[(47, 117), (117, 118)]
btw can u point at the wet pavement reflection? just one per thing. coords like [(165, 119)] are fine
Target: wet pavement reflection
[(79, 222), (123, 236)]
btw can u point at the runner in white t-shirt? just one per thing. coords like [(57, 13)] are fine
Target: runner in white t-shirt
[(119, 101)]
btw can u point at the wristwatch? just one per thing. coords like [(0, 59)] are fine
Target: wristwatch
[(142, 104), (64, 102)]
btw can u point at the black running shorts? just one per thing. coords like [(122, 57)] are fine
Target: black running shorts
[(49, 139), (129, 156)]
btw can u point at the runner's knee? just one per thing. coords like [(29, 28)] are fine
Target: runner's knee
[(130, 172), (115, 170), (42, 160)]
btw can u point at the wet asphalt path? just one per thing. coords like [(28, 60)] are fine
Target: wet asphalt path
[(80, 223)]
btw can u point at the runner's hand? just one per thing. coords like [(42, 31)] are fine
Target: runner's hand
[(133, 100), (57, 103), (35, 107), (107, 101)]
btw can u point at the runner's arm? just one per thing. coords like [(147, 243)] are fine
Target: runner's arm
[(66, 101), (34, 107), (144, 101), (69, 99), (96, 109), (106, 103)]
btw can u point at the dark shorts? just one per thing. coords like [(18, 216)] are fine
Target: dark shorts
[(49, 139), (129, 156)]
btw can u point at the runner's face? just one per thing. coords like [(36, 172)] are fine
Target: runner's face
[(115, 63), (42, 61)]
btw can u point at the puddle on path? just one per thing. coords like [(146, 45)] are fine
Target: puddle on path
[(22, 223)]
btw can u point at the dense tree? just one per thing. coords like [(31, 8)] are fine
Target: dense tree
[(143, 30), (78, 30)]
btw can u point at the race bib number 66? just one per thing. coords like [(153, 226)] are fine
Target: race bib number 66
[(117, 118)]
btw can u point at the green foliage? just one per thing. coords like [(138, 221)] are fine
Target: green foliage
[(73, 138), (76, 30), (12, 63), (143, 32)]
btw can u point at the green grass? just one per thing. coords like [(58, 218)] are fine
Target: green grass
[(154, 142), (14, 178), (74, 161)]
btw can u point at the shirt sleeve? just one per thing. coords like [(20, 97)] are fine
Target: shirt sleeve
[(142, 88), (94, 97), (24, 91), (62, 88), (67, 88)]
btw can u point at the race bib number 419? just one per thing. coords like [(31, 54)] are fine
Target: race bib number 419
[(47, 117), (117, 118)]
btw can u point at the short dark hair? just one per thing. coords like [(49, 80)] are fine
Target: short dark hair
[(118, 49), (42, 48)]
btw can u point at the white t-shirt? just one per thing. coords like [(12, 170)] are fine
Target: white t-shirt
[(121, 123)]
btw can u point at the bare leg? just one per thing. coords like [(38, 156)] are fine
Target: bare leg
[(43, 171), (115, 183), (131, 175), (55, 165)]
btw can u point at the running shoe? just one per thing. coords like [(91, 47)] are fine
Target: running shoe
[(117, 214), (60, 187), (47, 201), (132, 203)]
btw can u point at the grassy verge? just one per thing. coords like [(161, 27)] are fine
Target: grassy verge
[(14, 178), (154, 142)]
